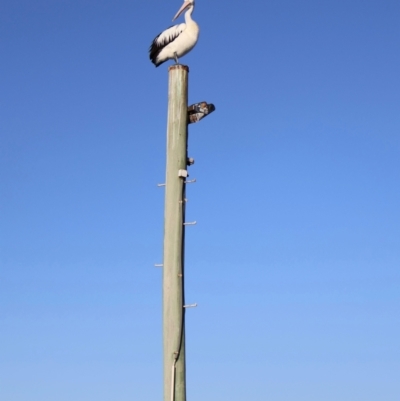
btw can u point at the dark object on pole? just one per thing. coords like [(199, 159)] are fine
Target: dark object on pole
[(198, 111)]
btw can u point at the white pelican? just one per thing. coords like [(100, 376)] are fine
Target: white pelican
[(177, 40)]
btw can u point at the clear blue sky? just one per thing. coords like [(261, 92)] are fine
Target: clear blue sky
[(295, 258)]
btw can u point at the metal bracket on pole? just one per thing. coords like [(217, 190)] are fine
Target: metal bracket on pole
[(183, 173), (190, 181), (161, 185), (159, 265), (192, 223), (190, 306)]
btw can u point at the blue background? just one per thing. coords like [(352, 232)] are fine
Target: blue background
[(295, 258)]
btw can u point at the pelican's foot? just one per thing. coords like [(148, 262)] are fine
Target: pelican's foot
[(176, 58)]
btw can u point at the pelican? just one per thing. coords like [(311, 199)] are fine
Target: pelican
[(177, 40)]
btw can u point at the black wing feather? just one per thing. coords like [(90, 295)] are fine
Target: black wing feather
[(158, 44)]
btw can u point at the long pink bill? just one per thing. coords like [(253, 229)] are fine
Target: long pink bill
[(185, 5)]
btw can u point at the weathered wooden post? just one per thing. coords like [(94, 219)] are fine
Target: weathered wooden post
[(179, 116), (174, 232)]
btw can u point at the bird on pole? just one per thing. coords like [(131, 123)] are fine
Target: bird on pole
[(177, 40)]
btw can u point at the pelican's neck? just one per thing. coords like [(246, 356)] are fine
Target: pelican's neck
[(188, 15)]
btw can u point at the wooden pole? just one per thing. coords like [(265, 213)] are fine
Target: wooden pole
[(173, 271)]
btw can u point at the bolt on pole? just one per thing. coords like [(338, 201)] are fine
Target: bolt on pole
[(174, 236)]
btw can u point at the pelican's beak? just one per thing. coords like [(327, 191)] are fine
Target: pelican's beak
[(185, 5)]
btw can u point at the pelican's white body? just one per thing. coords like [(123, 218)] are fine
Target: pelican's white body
[(178, 39), (187, 39)]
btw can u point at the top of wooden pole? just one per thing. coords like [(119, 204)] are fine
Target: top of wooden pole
[(178, 67)]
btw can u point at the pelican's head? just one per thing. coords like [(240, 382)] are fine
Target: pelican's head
[(187, 5)]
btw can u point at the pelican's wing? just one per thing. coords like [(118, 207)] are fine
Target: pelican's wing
[(163, 39)]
